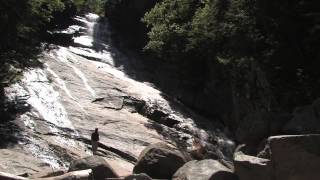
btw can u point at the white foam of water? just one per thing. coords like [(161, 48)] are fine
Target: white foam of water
[(28, 121), (60, 82), (64, 87), (42, 97), (65, 56), (84, 40), (90, 21), (81, 19), (45, 99), (92, 17), (43, 153), (104, 56), (47, 103), (145, 90), (71, 29), (84, 80)]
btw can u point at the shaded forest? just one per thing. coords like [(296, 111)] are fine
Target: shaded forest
[(264, 52)]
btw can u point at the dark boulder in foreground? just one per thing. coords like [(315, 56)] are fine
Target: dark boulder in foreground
[(100, 167), (204, 170), (295, 157), (86, 163), (292, 157), (252, 168), (138, 177), (159, 161), (103, 171), (7, 176)]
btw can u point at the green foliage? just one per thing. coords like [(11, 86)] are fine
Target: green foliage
[(170, 25), (280, 37), (95, 6), (19, 19), (24, 22), (78, 3), (210, 27), (44, 8)]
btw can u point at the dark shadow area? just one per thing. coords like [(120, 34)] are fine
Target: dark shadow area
[(100, 36), (105, 149), (13, 63), (9, 111), (169, 134), (172, 82), (183, 81), (213, 150), (103, 41), (9, 133), (232, 74)]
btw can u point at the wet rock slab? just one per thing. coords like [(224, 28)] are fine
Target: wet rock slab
[(73, 94)]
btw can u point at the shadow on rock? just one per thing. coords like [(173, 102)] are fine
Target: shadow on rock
[(9, 111), (8, 134)]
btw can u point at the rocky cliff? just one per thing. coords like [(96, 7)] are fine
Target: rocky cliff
[(82, 87), (177, 121)]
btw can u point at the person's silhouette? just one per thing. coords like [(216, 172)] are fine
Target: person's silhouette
[(95, 141)]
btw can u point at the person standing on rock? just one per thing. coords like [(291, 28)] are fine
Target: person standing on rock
[(95, 141)]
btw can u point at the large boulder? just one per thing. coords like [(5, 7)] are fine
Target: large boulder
[(74, 175), (7, 176), (86, 163), (103, 171), (138, 177), (100, 167), (252, 168), (204, 170), (295, 157), (159, 161)]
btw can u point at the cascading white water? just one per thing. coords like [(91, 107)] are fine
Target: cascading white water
[(45, 100), (62, 98)]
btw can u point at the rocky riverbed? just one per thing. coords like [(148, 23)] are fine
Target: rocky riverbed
[(83, 86)]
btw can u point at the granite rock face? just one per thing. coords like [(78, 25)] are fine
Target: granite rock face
[(85, 86)]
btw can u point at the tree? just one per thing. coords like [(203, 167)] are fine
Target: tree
[(281, 38)]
